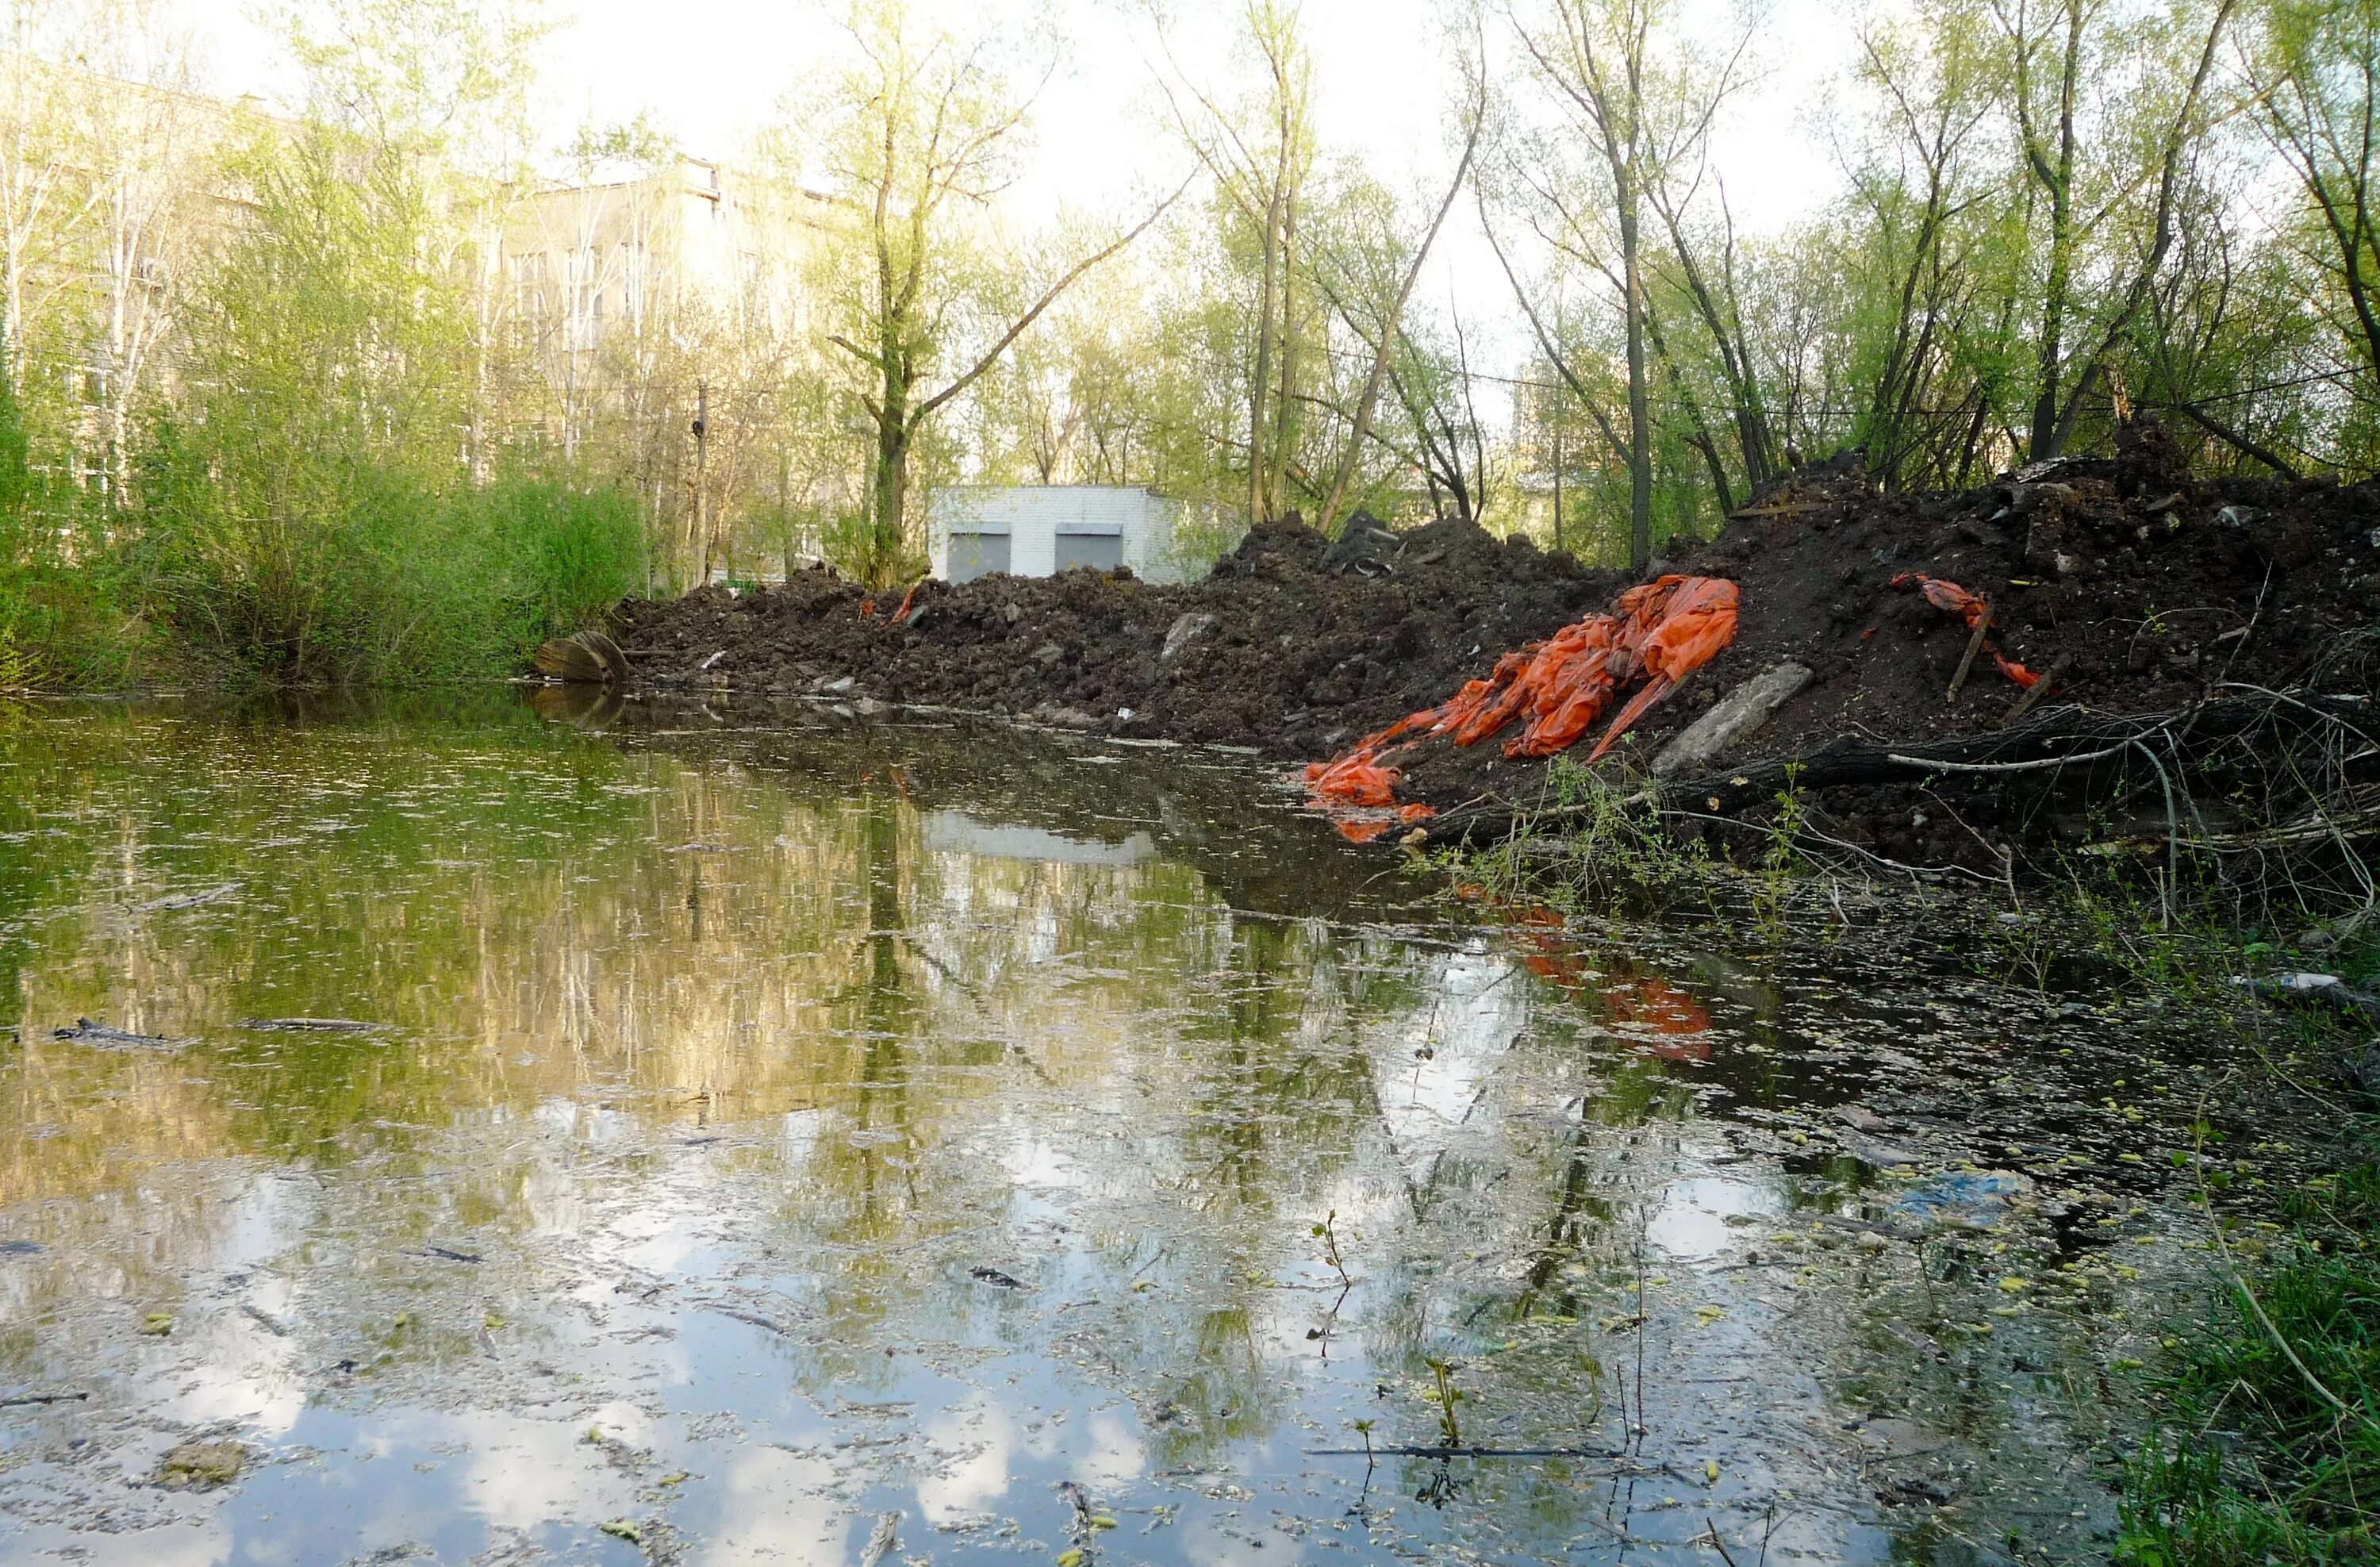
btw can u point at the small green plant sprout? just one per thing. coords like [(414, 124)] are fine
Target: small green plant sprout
[(1328, 1234), (1449, 1430)]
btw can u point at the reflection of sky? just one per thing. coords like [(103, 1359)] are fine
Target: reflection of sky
[(1474, 1009), (1691, 1219), (729, 1186)]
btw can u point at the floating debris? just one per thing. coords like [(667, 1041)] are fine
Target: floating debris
[(448, 1254), (311, 1025), (1963, 1199), (201, 1466), (884, 1541), (190, 900), (86, 1032)]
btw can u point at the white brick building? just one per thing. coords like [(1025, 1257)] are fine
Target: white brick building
[(1036, 530)]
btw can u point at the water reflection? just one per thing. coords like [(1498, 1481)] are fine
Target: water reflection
[(773, 1121)]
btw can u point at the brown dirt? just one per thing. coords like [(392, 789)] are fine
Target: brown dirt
[(2153, 588)]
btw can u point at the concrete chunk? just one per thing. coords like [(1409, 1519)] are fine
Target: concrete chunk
[(1733, 718), (1184, 630)]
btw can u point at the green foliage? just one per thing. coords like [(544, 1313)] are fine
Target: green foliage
[(311, 520), (564, 555), (2256, 1464), (285, 511), (15, 462), (64, 628)]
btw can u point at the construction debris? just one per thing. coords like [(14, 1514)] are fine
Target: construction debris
[(589, 658), (1733, 720)]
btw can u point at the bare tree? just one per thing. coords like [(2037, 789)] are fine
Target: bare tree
[(1262, 161), (1620, 83), (919, 138)]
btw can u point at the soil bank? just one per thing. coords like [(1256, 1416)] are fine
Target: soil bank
[(2144, 588)]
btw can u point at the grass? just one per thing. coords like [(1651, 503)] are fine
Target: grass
[(2269, 1445)]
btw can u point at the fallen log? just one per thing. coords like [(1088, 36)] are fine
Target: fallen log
[(2067, 746)]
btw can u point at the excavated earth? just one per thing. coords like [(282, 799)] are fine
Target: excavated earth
[(2144, 588)]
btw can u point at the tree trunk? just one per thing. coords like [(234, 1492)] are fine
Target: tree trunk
[(1640, 411), (1259, 381), (1284, 401), (2057, 179)]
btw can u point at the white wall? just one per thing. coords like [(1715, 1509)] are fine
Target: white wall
[(1034, 515)]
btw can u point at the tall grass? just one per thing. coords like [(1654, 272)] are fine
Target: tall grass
[(2270, 1446)]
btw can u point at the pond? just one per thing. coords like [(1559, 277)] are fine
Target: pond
[(693, 1134)]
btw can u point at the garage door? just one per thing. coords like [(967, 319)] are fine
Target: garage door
[(978, 554), (1100, 551)]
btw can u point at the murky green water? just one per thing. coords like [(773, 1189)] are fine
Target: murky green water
[(768, 1121)]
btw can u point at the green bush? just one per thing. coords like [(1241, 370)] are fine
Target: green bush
[(389, 582), (65, 629), (569, 552)]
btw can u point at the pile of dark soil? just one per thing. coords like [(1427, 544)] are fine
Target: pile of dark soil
[(1292, 646), (2144, 590), (2141, 591)]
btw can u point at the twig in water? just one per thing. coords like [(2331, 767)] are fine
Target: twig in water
[(1329, 1237)]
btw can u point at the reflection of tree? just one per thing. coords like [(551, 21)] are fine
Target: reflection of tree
[(1280, 1088), (522, 908), (888, 1012)]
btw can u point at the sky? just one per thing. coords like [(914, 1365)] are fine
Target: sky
[(712, 72)]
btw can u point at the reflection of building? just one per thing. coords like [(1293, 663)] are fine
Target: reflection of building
[(1034, 530), (952, 831)]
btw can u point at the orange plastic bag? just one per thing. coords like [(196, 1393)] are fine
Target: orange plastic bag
[(1355, 778), (1972, 608), (1698, 622)]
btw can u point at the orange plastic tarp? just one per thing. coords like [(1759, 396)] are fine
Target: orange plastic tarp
[(1556, 689)]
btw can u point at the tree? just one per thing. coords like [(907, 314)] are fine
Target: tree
[(329, 365), (2314, 79), (917, 137), (1262, 155), (2061, 56), (151, 150), (1386, 329), (1616, 80)]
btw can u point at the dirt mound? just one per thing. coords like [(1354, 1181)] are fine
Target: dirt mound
[(2128, 586), (1293, 644)]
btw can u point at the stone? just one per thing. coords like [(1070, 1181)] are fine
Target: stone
[(1732, 720), (1185, 630)]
